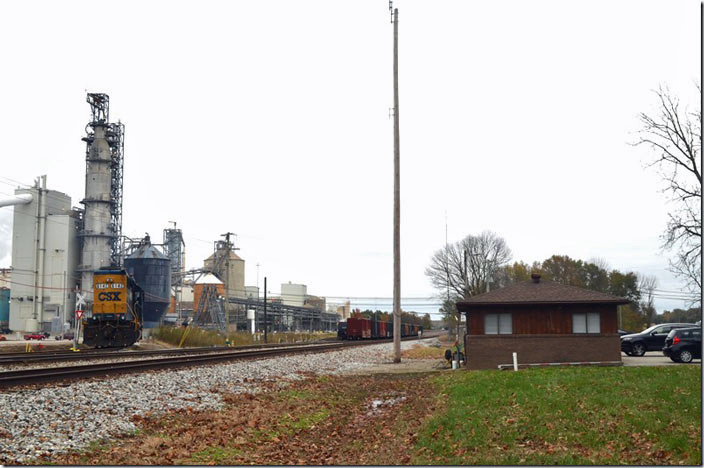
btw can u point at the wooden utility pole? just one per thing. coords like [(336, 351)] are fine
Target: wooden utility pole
[(265, 317), (397, 206)]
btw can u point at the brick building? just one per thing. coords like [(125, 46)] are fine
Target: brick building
[(542, 321)]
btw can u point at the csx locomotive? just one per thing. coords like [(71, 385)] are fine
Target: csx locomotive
[(117, 310)]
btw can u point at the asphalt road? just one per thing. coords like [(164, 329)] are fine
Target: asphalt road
[(654, 358)]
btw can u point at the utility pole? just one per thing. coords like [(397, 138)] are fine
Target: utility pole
[(397, 202), (226, 276), (265, 320)]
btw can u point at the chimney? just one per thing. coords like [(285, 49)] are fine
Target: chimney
[(535, 277)]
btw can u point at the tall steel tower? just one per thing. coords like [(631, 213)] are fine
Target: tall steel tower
[(102, 219)]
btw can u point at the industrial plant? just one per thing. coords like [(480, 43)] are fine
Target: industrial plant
[(57, 248)]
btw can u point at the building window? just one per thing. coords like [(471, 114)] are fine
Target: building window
[(498, 324), (586, 323)]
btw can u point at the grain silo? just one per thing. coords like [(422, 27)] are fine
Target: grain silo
[(151, 269)]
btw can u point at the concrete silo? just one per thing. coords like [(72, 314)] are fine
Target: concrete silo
[(45, 253)]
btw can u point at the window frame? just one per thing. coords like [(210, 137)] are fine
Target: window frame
[(497, 316), (587, 329)]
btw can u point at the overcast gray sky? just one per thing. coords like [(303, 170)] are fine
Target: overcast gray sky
[(271, 120)]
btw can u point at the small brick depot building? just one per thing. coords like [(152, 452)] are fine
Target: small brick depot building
[(544, 322)]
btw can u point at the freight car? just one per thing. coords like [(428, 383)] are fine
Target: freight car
[(364, 329), (117, 319)]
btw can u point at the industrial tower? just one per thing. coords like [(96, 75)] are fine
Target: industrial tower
[(102, 218)]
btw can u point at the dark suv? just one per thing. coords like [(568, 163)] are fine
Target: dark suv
[(650, 339), (683, 344)]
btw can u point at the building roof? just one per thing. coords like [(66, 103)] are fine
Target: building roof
[(233, 256), (539, 292), (208, 278)]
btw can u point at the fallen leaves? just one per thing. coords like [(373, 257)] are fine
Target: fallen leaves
[(332, 421)]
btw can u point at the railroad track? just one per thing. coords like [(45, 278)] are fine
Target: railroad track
[(17, 358), (55, 374), (86, 354), (202, 356)]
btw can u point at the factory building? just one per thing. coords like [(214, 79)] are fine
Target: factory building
[(293, 294), (252, 292), (45, 252), (344, 311)]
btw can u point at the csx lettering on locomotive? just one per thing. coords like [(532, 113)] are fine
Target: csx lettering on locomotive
[(109, 296)]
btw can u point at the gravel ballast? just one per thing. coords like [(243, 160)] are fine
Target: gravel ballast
[(54, 419)]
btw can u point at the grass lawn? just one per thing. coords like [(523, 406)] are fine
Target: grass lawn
[(578, 415), (567, 416)]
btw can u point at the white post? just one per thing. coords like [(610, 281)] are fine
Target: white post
[(515, 361)]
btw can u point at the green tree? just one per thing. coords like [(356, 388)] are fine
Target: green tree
[(595, 277), (426, 322), (514, 273), (691, 315), (449, 314), (564, 270), (624, 285), (631, 319)]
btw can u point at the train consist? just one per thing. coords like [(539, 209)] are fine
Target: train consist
[(369, 329), (117, 310)]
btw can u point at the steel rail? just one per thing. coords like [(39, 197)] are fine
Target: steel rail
[(25, 357), (52, 374), (15, 358)]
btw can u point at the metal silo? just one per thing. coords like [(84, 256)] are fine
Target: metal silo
[(151, 269), (4, 307)]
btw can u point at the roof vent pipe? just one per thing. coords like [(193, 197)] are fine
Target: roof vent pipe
[(535, 277)]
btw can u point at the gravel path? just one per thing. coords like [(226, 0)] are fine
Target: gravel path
[(56, 419)]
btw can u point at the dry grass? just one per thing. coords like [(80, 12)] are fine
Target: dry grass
[(423, 352)]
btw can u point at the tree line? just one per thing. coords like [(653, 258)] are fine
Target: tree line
[(477, 264)]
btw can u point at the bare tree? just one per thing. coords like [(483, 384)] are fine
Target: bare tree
[(675, 136), (647, 286), (465, 267)]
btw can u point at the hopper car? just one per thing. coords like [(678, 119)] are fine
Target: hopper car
[(368, 329)]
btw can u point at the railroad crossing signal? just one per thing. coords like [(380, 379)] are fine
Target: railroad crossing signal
[(80, 300)]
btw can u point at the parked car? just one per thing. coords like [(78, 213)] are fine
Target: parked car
[(683, 344), (34, 336), (5, 331), (650, 339), (623, 332), (2, 338), (65, 336)]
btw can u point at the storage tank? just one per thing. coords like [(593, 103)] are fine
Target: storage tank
[(4, 307), (151, 269)]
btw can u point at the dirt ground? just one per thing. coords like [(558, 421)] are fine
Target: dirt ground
[(406, 366)]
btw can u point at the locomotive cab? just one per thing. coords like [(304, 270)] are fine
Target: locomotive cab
[(116, 319)]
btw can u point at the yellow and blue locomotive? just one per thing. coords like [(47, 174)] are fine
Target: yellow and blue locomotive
[(116, 319)]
